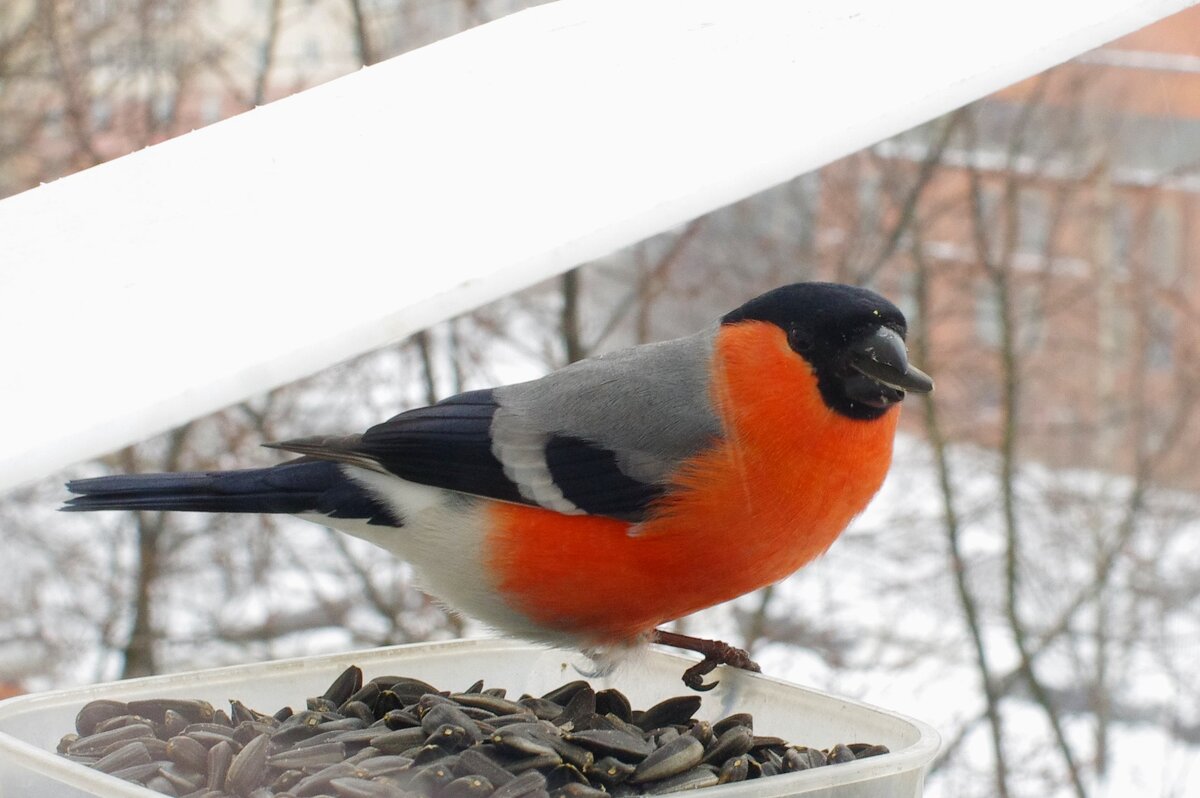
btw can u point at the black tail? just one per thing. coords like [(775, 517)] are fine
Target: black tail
[(301, 486)]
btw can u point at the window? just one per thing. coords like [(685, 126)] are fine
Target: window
[(1028, 316), (1025, 315), (992, 220), (164, 108), (987, 314), (1033, 221), (1164, 243), (1122, 238), (102, 113), (1160, 334)]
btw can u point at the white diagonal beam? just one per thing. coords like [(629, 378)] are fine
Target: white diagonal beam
[(180, 279)]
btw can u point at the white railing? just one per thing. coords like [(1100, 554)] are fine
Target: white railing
[(172, 282)]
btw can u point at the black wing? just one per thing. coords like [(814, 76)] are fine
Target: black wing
[(450, 445)]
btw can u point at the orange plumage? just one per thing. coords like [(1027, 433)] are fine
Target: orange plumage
[(788, 478)]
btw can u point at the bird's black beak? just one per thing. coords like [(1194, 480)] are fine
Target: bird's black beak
[(883, 357)]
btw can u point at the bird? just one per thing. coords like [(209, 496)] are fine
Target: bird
[(590, 506)]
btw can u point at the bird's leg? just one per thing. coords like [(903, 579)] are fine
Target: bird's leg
[(715, 652)]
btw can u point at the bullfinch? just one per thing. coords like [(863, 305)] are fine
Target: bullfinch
[(589, 506)]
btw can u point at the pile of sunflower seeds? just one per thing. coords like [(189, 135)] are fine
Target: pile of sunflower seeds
[(394, 737)]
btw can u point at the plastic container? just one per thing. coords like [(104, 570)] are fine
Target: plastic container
[(30, 726)]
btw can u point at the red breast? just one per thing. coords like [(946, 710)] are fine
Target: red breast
[(787, 479)]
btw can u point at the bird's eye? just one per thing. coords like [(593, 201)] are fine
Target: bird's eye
[(799, 340)]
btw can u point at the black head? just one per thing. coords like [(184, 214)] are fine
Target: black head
[(852, 338)]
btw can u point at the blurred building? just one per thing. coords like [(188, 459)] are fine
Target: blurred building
[(1054, 241)]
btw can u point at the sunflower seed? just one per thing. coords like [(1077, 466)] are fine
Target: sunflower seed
[(864, 750), (620, 744), (453, 715), (582, 704), (399, 718), (121, 720), (104, 742), (350, 737), (563, 694), (524, 784), (609, 771), (702, 730), (468, 787), (543, 708), (348, 682), (521, 741), (410, 691), (184, 779), (155, 708), (95, 712), (542, 762), (525, 716), (321, 704), (358, 710), (450, 737), (156, 782), (240, 713), (692, 779), (319, 783), (309, 759), (367, 694), (187, 752), (385, 765), (139, 772), (473, 762), (575, 755), (734, 742), (802, 759), (727, 723), (287, 780), (839, 754), (676, 711), (613, 701), (248, 769), (128, 755), (217, 766), (735, 769), (173, 725), (679, 755), (490, 703), (394, 742), (431, 779)]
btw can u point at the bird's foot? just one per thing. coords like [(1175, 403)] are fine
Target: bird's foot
[(715, 652)]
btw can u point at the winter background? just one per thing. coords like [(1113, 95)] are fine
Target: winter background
[(1027, 581)]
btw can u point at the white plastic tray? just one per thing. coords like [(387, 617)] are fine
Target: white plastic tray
[(30, 726)]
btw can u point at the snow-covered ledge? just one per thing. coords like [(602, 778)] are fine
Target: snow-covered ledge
[(172, 282)]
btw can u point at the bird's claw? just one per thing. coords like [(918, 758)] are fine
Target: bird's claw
[(715, 652)]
